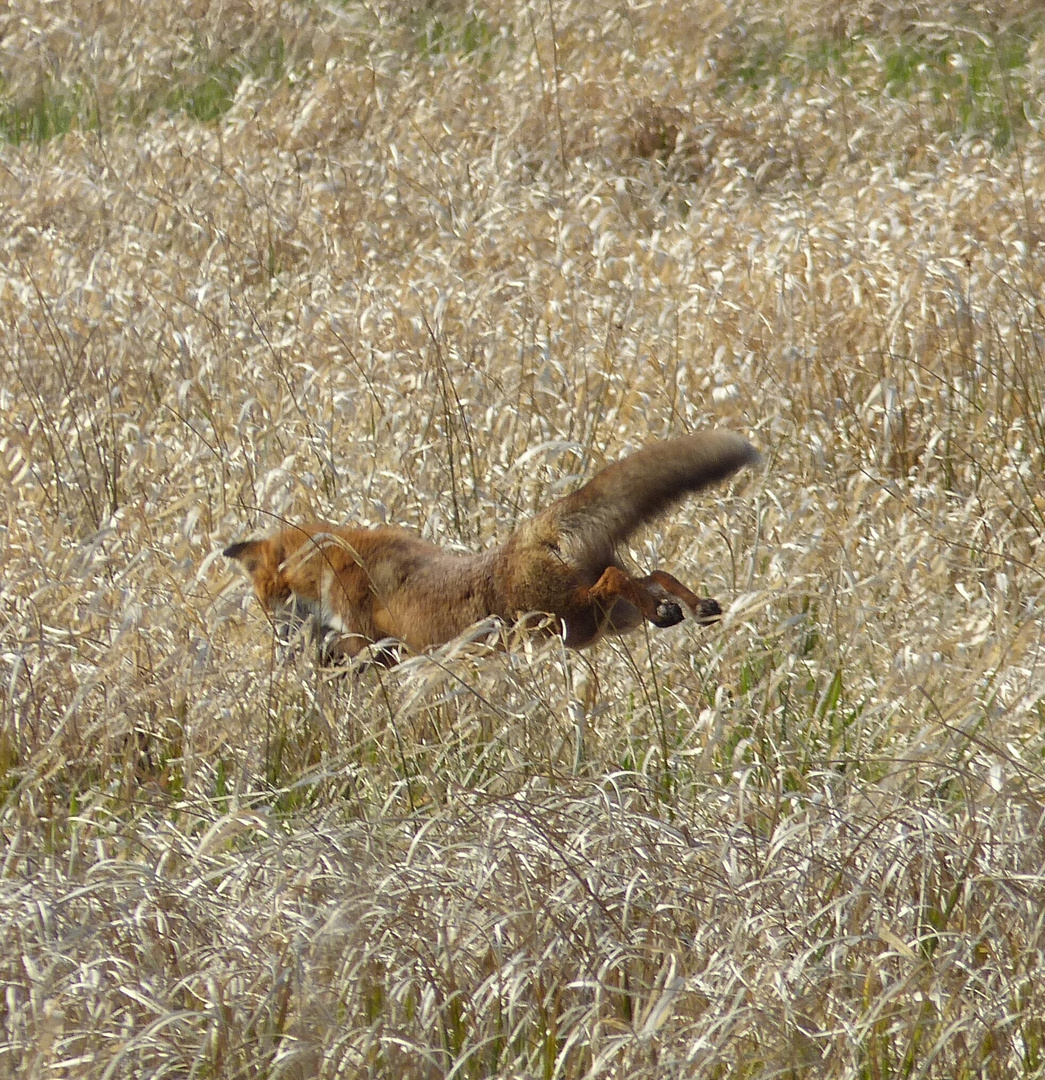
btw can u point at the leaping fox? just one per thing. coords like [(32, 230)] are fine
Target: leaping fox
[(360, 586)]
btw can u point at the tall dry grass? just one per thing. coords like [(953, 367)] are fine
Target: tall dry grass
[(433, 265)]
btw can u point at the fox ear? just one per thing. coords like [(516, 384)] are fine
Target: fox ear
[(247, 552)]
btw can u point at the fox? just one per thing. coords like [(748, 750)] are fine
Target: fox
[(387, 587)]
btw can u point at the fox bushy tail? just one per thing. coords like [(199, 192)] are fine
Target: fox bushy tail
[(615, 502)]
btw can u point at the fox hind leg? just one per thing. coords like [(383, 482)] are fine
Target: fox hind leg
[(616, 585), (704, 608), (656, 597)]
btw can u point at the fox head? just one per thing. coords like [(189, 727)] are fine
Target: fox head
[(262, 559), (285, 580)]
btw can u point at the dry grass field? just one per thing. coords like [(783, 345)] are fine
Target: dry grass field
[(433, 264)]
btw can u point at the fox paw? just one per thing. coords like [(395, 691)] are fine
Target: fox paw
[(668, 613), (707, 610)]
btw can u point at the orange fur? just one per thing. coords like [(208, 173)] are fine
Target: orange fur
[(360, 586)]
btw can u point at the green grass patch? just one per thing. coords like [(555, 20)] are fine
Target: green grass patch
[(974, 81), (48, 110), (775, 62), (445, 36), (208, 95), (204, 89)]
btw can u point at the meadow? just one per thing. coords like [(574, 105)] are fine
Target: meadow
[(434, 264)]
